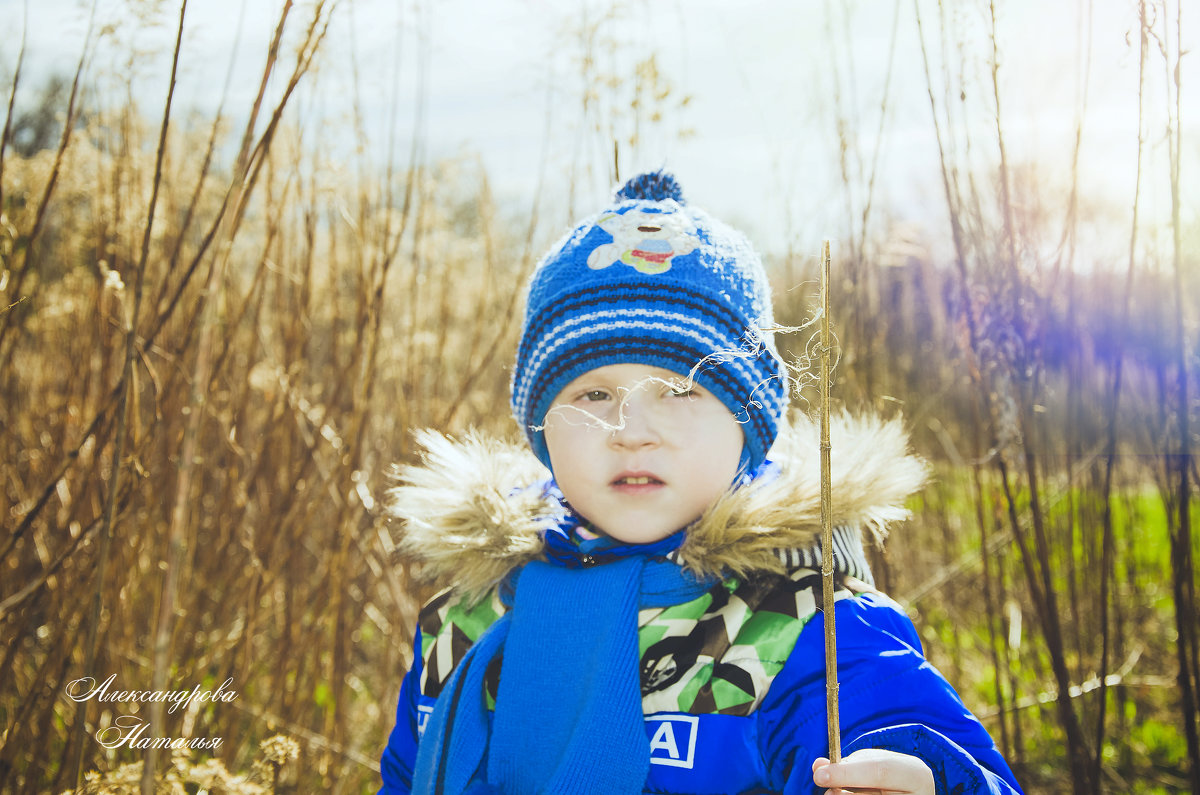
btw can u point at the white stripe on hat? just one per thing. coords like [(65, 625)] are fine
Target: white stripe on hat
[(706, 336)]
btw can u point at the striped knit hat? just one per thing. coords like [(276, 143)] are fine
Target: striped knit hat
[(651, 280)]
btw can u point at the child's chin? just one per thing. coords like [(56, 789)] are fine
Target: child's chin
[(646, 535)]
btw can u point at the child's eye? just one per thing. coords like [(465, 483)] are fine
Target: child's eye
[(682, 390), (593, 395)]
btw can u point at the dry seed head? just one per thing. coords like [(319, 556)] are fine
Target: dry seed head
[(279, 749)]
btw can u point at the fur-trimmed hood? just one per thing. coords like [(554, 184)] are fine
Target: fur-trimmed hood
[(472, 510)]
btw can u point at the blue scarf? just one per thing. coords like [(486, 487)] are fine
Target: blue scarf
[(568, 715)]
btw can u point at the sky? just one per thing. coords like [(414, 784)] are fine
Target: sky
[(773, 89)]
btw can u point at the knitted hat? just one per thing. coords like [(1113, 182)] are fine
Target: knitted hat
[(652, 280)]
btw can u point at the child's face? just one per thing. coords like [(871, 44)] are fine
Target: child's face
[(638, 452)]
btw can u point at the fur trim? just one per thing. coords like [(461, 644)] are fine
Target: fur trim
[(473, 510), (871, 471)]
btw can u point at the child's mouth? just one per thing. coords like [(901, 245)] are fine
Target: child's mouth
[(636, 480)]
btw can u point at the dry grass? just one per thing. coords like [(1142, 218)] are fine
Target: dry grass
[(300, 318), (339, 313)]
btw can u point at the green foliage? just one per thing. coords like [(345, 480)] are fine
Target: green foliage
[(1161, 744)]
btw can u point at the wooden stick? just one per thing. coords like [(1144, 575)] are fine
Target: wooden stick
[(831, 680)]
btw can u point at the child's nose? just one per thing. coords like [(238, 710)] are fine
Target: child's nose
[(637, 427)]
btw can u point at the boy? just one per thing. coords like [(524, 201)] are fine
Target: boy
[(646, 620)]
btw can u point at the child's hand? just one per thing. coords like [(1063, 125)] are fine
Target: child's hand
[(872, 771)]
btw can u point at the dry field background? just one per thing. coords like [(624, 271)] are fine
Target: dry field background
[(215, 337)]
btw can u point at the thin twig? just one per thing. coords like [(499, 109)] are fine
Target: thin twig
[(162, 639), (76, 751), (40, 214), (831, 680), (1179, 526), (12, 98)]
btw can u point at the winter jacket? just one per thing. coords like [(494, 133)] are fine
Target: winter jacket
[(733, 682)]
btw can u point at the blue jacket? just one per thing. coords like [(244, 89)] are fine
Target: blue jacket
[(890, 698), (734, 700)]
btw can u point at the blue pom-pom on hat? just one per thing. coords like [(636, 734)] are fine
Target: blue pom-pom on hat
[(653, 280), (652, 186)]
